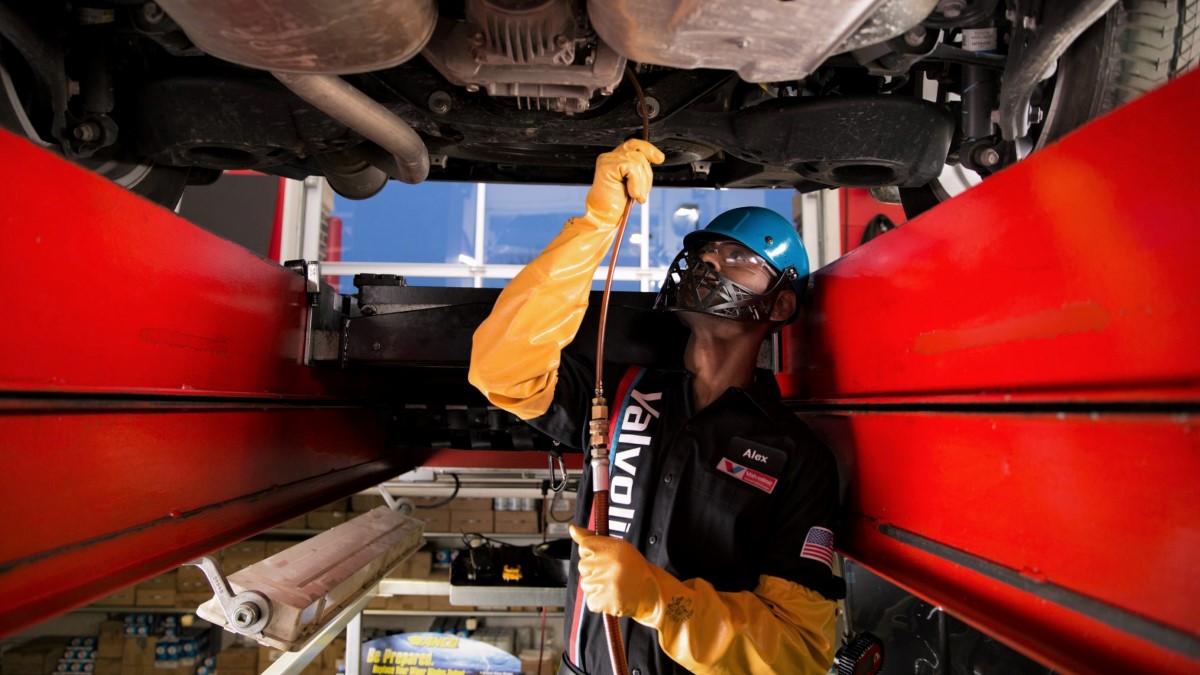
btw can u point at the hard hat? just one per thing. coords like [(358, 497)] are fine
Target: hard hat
[(766, 233), (693, 285)]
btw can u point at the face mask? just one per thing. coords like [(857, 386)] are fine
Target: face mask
[(693, 285)]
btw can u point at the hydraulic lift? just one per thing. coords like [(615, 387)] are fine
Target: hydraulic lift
[(1011, 380)]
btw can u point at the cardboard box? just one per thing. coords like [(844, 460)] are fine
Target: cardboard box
[(419, 565), (414, 603), (441, 603), (516, 522), (39, 656), (436, 520), (164, 580), (472, 504), (362, 503), (190, 578), (471, 521), (138, 652), (297, 523), (250, 548), (238, 563), (111, 641), (108, 666), (268, 656), (324, 520), (332, 653), (342, 505), (155, 597), (378, 602), (122, 598), (530, 665), (274, 547), (136, 670), (192, 599), (237, 658)]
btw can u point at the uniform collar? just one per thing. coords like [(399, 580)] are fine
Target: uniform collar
[(763, 392)]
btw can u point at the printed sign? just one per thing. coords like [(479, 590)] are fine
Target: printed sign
[(435, 654)]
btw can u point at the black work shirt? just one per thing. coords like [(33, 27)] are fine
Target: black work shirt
[(677, 493)]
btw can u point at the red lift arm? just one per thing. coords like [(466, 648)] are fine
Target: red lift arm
[(1014, 378), (152, 402)]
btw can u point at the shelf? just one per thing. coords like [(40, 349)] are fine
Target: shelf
[(459, 612), (516, 539), (414, 587), (515, 596), (136, 610), (488, 596)]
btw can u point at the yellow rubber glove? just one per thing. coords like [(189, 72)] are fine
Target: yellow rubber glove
[(781, 627), (515, 353)]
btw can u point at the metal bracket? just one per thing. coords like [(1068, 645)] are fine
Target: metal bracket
[(248, 612), (311, 271), (322, 342), (403, 505)]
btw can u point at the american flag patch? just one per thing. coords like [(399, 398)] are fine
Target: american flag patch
[(818, 545)]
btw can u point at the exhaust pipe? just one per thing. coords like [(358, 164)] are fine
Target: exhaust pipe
[(306, 45), (341, 101)]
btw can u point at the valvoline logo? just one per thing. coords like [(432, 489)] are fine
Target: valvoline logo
[(731, 468), (748, 476)]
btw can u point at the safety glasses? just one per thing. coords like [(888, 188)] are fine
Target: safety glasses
[(732, 255)]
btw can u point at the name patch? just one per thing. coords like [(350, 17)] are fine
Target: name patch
[(753, 463)]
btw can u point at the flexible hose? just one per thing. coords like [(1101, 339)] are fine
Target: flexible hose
[(598, 425)]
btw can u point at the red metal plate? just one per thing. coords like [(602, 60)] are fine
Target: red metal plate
[(1073, 274), (120, 295), (153, 406), (1080, 507), (943, 351)]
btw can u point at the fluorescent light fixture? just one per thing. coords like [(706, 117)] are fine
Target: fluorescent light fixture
[(285, 600), (690, 211)]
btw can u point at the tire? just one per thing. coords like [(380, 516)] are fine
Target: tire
[(158, 183), (1138, 46)]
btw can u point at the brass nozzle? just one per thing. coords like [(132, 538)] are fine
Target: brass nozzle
[(598, 428)]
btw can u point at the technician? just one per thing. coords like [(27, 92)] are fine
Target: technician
[(722, 501)]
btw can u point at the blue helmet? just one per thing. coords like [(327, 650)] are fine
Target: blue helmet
[(695, 286), (766, 233)]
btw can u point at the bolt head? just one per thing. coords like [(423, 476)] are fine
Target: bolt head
[(439, 102), (376, 346), (88, 131), (989, 157), (951, 8), (152, 13), (915, 37), (244, 616)]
